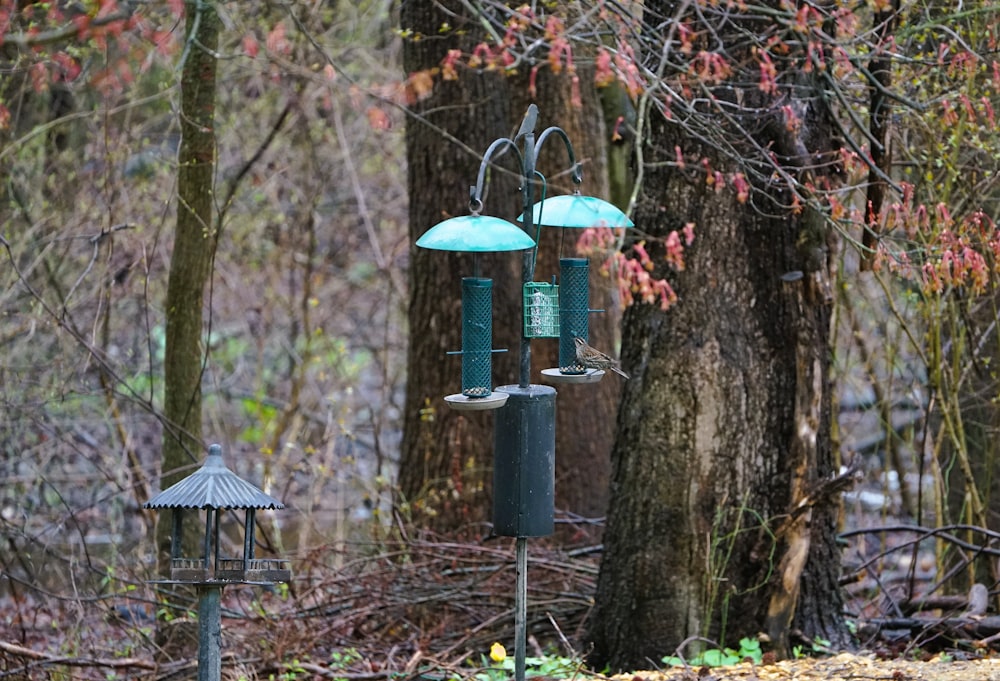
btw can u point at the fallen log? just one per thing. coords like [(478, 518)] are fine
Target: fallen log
[(962, 628)]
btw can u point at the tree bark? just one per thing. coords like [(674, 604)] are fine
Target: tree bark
[(191, 260)]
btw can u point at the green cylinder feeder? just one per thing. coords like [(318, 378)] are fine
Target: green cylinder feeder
[(476, 234), (576, 212), (477, 337), (574, 307)]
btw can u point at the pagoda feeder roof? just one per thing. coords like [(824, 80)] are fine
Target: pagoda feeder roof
[(213, 486)]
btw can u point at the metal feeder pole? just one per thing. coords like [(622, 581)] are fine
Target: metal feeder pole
[(527, 274), (521, 608), (527, 199), (209, 633), (210, 608)]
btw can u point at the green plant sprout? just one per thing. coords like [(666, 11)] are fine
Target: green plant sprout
[(819, 645), (721, 657)]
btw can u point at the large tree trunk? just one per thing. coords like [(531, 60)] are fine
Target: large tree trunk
[(446, 455), (722, 516), (191, 260)]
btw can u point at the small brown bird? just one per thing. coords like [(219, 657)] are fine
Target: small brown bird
[(592, 358)]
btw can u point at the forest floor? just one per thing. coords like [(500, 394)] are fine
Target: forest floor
[(858, 667), (422, 610)]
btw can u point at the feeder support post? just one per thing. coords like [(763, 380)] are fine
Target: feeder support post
[(527, 199), (209, 633)]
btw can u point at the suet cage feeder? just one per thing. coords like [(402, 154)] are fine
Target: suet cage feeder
[(541, 310)]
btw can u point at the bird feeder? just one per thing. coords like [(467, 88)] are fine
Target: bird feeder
[(476, 234), (576, 212), (214, 488), (524, 436)]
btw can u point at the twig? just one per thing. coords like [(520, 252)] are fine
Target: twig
[(50, 659), (250, 162)]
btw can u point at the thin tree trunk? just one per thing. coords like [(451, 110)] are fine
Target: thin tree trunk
[(880, 112), (191, 260)]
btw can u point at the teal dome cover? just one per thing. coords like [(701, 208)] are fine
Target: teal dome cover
[(575, 210), (477, 234)]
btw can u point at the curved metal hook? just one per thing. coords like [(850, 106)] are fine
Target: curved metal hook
[(577, 170), (504, 144)]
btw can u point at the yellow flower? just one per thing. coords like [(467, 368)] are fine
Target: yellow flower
[(498, 653)]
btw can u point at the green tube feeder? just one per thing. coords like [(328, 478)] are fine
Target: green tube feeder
[(477, 337), (574, 308)]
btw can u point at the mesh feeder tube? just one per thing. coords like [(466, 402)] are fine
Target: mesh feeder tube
[(477, 336)]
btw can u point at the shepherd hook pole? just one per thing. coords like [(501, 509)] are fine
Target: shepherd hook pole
[(521, 608)]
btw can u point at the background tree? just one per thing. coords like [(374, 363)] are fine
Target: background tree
[(455, 73), (304, 334), (195, 240), (937, 239), (751, 145)]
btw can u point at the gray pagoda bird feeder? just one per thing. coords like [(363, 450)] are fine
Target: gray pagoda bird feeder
[(214, 488)]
